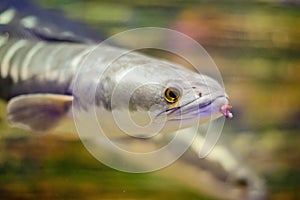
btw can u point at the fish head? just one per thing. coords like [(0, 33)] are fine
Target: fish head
[(169, 96), (199, 99)]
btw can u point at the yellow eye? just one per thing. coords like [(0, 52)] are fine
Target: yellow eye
[(172, 95)]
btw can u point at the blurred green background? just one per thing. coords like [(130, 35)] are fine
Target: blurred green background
[(256, 46)]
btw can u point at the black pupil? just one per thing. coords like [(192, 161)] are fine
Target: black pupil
[(173, 94)]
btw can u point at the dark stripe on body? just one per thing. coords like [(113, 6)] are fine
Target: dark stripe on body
[(37, 68)]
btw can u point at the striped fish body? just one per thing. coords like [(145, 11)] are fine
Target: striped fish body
[(38, 67), (51, 68), (35, 46)]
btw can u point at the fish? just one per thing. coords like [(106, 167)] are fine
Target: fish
[(40, 79), (50, 70)]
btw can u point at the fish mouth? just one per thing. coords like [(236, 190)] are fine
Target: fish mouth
[(200, 109), (225, 110)]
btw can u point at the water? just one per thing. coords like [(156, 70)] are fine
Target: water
[(256, 46)]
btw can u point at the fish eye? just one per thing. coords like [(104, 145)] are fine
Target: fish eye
[(172, 95)]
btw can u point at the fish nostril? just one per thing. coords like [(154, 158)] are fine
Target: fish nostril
[(200, 94)]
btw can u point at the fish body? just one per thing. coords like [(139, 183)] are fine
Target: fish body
[(55, 62), (53, 68), (36, 67)]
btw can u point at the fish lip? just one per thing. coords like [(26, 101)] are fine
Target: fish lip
[(192, 109), (225, 110)]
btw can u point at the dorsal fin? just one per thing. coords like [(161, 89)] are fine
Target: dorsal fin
[(27, 20)]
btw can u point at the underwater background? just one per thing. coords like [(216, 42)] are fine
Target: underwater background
[(256, 46)]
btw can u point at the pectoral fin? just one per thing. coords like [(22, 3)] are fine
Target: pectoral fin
[(38, 112)]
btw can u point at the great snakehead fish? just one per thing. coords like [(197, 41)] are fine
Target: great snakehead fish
[(40, 74), (41, 52)]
